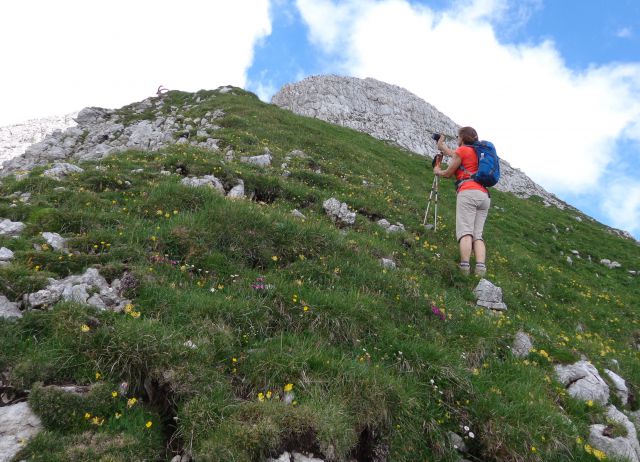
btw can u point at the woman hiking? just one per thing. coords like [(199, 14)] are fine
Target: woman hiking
[(472, 200)]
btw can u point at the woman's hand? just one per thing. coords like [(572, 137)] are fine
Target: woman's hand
[(441, 144)]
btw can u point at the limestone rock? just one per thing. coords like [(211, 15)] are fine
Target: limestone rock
[(624, 447), (388, 112), (101, 132), (207, 180), (489, 295), (9, 309), (5, 254), (522, 345), (18, 424), (10, 228), (56, 241), (389, 228), (298, 214), (388, 263), (339, 212), (457, 442), (77, 288), (620, 385), (583, 381), (237, 192), (61, 170), (610, 264), (263, 160)]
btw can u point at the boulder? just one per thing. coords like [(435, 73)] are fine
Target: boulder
[(78, 288), (56, 241), (583, 381), (298, 214), (18, 424), (387, 263), (263, 160), (339, 212), (489, 295), (9, 309), (61, 170), (5, 254), (207, 180), (620, 386), (11, 228), (625, 447), (522, 345), (237, 192)]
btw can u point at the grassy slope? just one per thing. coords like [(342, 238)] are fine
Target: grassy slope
[(372, 368)]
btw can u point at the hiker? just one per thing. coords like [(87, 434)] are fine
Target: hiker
[(472, 201)]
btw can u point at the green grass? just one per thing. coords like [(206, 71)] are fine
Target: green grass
[(372, 369)]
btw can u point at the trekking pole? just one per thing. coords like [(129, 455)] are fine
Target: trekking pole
[(433, 196)]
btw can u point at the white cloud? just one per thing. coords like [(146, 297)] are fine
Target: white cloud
[(64, 55), (622, 205), (557, 124), (624, 32)]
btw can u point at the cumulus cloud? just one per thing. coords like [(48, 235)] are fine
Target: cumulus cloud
[(621, 203), (64, 55), (624, 32), (558, 124)]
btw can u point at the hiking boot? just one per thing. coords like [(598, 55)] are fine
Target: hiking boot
[(480, 270), (464, 267)]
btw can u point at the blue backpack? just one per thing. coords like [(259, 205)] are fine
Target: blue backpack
[(488, 172)]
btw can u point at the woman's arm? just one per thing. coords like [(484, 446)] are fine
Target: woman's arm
[(452, 166)]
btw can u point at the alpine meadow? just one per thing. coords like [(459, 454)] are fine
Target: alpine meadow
[(203, 301)]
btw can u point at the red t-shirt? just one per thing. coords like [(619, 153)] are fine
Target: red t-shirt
[(470, 162)]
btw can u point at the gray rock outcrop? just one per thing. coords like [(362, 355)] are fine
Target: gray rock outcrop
[(6, 255), (89, 288), (625, 447), (583, 381), (489, 295), (237, 192), (620, 385), (263, 160), (18, 424), (10, 228), (56, 241), (8, 309), (61, 170), (339, 211), (100, 132), (389, 228), (522, 345), (388, 112), (207, 180)]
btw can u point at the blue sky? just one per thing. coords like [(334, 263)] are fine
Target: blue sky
[(555, 84)]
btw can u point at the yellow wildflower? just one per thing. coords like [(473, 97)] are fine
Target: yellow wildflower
[(114, 394), (85, 328), (260, 396), (148, 424), (98, 375), (87, 415), (118, 415), (131, 402), (288, 387)]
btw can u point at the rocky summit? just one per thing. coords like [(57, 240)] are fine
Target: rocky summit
[(98, 132), (391, 113)]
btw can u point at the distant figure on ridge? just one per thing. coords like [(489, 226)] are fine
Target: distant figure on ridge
[(161, 91), (472, 201)]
